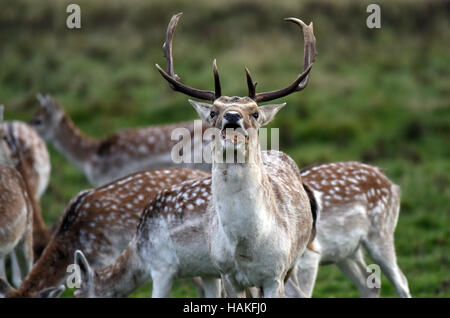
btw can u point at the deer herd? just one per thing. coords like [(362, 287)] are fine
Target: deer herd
[(251, 228)]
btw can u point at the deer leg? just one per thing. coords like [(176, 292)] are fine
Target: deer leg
[(355, 269), (231, 287), (291, 286), (273, 288), (198, 284), (16, 275), (27, 251), (162, 284), (307, 272), (382, 251), (2, 268), (212, 287)]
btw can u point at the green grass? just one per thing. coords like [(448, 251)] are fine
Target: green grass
[(378, 96)]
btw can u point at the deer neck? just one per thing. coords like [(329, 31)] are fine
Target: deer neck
[(73, 143), (242, 200)]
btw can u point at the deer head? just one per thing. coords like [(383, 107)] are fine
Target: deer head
[(6, 290), (237, 119), (47, 118)]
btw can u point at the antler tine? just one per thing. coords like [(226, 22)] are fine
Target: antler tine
[(167, 46), (173, 79), (2, 109), (301, 81), (310, 52), (251, 85), (217, 86)]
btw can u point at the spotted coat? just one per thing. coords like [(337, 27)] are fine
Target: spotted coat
[(101, 222)]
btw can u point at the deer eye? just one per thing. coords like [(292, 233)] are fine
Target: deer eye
[(212, 114), (36, 121), (255, 115)]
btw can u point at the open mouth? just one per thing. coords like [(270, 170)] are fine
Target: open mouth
[(234, 133)]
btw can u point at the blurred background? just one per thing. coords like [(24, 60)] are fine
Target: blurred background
[(380, 96)]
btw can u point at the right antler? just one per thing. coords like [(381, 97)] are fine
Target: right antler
[(300, 83), (174, 80)]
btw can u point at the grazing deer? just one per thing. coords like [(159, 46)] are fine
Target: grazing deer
[(360, 208), (170, 242), (16, 216), (260, 219), (100, 221), (116, 156), (35, 170)]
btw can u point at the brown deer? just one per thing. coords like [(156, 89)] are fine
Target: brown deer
[(170, 242), (35, 170), (16, 215), (113, 157), (360, 208), (100, 221)]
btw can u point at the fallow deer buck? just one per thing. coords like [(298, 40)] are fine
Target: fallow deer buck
[(16, 215), (35, 170), (116, 156), (101, 222), (260, 219)]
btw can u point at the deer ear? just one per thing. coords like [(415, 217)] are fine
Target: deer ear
[(86, 271), (203, 110), (47, 101), (42, 99), (52, 292), (5, 288), (269, 112)]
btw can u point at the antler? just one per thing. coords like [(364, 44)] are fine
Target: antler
[(174, 80), (1, 112), (300, 83)]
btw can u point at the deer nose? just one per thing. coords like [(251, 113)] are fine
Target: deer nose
[(232, 117)]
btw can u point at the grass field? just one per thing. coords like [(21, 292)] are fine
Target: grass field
[(381, 96)]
